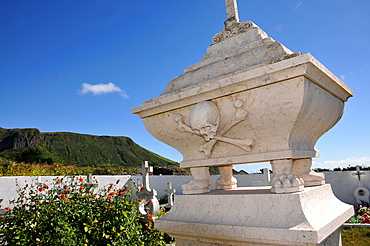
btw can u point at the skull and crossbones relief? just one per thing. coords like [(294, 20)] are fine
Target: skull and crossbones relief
[(204, 121)]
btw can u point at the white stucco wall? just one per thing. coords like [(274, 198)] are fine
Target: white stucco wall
[(343, 183)]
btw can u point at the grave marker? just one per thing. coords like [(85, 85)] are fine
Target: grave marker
[(170, 194), (149, 202), (250, 99), (361, 193)]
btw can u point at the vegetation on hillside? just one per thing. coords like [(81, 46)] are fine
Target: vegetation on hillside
[(33, 146)]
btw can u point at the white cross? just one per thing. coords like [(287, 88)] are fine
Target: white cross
[(232, 10), (170, 191), (145, 170)]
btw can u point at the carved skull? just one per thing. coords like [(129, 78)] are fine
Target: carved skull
[(204, 119)]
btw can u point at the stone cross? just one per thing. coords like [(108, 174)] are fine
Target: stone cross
[(232, 10), (359, 173), (170, 192), (90, 182), (145, 170), (149, 202)]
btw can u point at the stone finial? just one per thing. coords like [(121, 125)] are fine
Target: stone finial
[(233, 26)]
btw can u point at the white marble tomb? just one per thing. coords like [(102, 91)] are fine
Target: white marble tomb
[(250, 99)]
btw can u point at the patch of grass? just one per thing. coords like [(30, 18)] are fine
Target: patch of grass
[(353, 236)]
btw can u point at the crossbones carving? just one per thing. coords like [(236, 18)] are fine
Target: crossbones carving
[(204, 121)]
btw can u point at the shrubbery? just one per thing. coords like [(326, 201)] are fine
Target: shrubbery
[(71, 212), (362, 215), (35, 155)]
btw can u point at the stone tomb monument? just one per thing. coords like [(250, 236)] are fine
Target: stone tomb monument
[(250, 99)]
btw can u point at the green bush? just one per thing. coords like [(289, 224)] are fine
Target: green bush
[(362, 215), (72, 212), (35, 155)]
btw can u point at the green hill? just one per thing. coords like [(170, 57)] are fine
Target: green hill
[(31, 145)]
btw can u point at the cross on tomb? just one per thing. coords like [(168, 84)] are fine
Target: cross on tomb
[(170, 192), (147, 195), (90, 181), (145, 170), (232, 10), (358, 173)]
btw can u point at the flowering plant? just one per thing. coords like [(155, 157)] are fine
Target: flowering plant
[(362, 215), (70, 211)]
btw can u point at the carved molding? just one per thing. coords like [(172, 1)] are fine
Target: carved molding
[(231, 29)]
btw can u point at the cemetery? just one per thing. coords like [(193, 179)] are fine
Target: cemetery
[(349, 186), (248, 100)]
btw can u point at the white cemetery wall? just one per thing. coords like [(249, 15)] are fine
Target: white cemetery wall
[(8, 189), (343, 183)]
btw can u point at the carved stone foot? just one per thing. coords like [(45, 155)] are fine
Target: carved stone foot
[(226, 181), (284, 181), (302, 168), (200, 182)]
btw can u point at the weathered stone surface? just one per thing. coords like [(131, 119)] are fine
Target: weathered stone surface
[(268, 103), (290, 104), (250, 216)]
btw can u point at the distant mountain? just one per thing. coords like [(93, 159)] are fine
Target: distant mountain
[(31, 145)]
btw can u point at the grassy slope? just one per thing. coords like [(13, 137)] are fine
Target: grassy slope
[(89, 150)]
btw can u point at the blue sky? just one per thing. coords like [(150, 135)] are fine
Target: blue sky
[(80, 66)]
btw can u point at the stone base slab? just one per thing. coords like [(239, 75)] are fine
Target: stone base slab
[(254, 216)]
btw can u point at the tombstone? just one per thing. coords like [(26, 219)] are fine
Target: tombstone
[(2, 211), (90, 182), (250, 99), (361, 193), (149, 202), (266, 178), (170, 193)]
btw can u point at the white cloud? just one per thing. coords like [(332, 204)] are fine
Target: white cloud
[(353, 161), (100, 89), (342, 77)]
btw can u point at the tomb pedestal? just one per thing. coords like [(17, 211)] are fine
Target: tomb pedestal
[(250, 99), (254, 216)]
